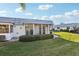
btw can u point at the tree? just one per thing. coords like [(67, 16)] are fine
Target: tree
[(67, 28), (22, 5)]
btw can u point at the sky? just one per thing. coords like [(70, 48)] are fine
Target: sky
[(57, 12)]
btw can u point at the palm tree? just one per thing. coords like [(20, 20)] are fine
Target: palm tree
[(22, 5)]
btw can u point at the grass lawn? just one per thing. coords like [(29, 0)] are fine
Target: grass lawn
[(40, 48), (68, 36), (67, 46)]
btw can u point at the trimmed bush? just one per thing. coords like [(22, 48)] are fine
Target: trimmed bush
[(64, 30), (30, 38)]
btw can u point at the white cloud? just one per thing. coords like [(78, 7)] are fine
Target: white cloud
[(41, 17), (29, 14), (34, 18), (44, 7), (44, 18), (66, 15), (18, 9), (56, 17), (51, 17), (72, 13), (75, 12), (3, 12)]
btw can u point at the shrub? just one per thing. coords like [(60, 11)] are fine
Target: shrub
[(72, 31), (30, 38), (64, 30)]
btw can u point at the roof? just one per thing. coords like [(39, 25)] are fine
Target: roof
[(66, 25), (21, 20)]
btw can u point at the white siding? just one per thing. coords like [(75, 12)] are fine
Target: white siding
[(18, 30), (46, 30), (7, 36), (36, 29)]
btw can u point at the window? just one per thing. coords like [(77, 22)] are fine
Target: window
[(4, 28), (43, 29), (58, 27), (20, 27), (31, 32), (17, 33), (11, 28), (40, 29), (68, 28), (29, 29), (27, 32)]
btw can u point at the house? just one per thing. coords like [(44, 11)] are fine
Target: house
[(71, 26), (14, 27)]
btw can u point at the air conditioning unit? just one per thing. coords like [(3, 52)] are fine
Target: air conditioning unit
[(2, 38)]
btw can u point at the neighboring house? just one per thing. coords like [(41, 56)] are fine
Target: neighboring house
[(71, 26), (15, 27)]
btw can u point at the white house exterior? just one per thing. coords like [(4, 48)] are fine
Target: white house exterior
[(14, 27), (64, 26)]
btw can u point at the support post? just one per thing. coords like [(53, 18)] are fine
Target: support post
[(48, 29), (9, 28), (33, 29), (41, 28)]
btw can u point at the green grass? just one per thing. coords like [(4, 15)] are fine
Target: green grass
[(68, 36), (48, 47), (67, 45)]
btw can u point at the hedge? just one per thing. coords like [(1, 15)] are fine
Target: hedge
[(30, 38)]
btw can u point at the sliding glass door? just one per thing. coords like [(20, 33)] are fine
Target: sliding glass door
[(29, 29)]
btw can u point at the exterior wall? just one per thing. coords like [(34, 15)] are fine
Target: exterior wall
[(36, 29), (63, 28), (71, 28), (7, 35), (48, 29), (18, 30), (41, 28), (29, 29), (57, 29), (6, 23)]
